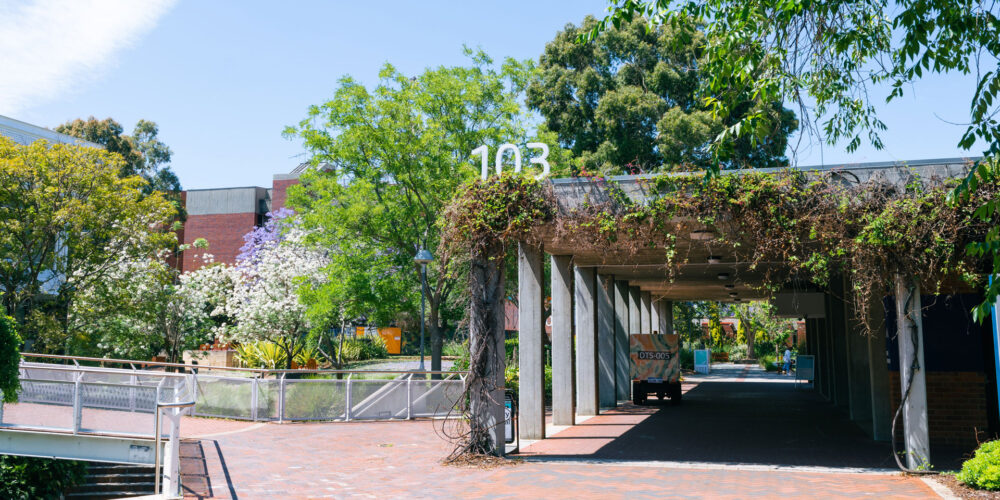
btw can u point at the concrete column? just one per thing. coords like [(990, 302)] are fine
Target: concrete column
[(858, 376), (647, 313), (666, 316), (634, 310), (606, 341), (623, 390), (912, 372), (486, 335), (531, 333), (562, 340), (585, 284), (838, 325), (878, 363), (656, 309)]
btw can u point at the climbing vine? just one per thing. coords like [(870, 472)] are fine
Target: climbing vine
[(791, 226)]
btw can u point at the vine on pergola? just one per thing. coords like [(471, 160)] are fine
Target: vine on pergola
[(813, 225)]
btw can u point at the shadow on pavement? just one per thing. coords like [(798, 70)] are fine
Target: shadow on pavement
[(736, 415)]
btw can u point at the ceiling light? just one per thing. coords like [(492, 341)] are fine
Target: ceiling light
[(714, 259), (723, 276), (733, 294), (729, 286), (737, 299)]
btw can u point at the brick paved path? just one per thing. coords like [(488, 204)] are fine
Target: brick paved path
[(401, 459)]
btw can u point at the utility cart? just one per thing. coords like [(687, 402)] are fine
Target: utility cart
[(655, 367)]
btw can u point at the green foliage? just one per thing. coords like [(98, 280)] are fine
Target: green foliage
[(629, 102), (64, 211), (262, 354), (767, 362), (829, 54), (983, 469), (455, 349), (504, 208), (687, 359), (390, 158), (24, 478), (143, 152), (363, 348), (10, 360)]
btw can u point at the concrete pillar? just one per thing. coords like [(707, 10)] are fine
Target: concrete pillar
[(621, 298), (562, 340), (585, 284), (878, 363), (666, 316), (838, 326), (647, 313), (486, 335), (859, 378), (606, 341), (656, 309), (531, 333), (634, 310), (912, 372)]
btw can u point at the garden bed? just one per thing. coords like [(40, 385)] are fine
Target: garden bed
[(960, 490)]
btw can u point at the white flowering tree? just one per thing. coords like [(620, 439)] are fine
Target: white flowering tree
[(141, 307), (263, 302)]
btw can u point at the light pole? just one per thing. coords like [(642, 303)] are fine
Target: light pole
[(423, 257)]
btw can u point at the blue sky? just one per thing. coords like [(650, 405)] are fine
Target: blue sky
[(223, 78)]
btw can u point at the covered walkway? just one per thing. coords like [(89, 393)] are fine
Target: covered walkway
[(737, 415)]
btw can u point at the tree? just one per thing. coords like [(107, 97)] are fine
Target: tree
[(142, 152), (394, 155), (263, 301), (826, 55), (10, 360), (140, 308), (629, 101), (66, 218)]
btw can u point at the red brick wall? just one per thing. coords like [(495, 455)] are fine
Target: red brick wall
[(956, 407), (279, 192), (224, 233)]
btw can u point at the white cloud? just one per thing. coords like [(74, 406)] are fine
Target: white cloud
[(49, 47)]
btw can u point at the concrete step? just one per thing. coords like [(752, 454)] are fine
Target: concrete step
[(107, 481)]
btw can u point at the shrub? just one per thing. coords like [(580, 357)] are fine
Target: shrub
[(983, 469), (362, 348), (767, 362), (261, 354), (455, 348), (26, 477), (10, 359), (687, 359)]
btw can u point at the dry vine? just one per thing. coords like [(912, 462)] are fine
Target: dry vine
[(792, 226)]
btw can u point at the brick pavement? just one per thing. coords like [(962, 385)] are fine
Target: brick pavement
[(402, 459)]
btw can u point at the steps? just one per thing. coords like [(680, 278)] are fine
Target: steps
[(107, 481)]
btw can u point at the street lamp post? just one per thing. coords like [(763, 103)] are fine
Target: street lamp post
[(423, 258)]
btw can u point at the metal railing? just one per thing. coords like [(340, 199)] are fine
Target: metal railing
[(156, 447), (283, 395)]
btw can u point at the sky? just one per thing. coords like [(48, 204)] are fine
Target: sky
[(223, 78)]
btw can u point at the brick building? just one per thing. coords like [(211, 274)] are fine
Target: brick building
[(222, 216)]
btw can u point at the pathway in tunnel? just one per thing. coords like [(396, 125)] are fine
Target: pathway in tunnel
[(738, 414)]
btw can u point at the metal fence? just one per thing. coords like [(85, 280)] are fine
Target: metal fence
[(245, 394)]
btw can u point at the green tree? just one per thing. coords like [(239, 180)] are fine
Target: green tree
[(394, 155), (10, 360), (827, 55), (144, 154), (66, 218), (629, 101)]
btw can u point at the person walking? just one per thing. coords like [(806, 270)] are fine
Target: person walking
[(787, 358)]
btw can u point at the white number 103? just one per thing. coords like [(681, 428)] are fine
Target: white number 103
[(484, 151)]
